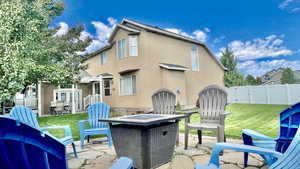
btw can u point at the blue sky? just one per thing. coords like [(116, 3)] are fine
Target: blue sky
[(264, 34)]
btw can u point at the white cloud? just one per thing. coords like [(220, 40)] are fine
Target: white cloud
[(206, 29), (84, 35), (291, 6), (103, 32), (270, 46), (63, 29), (258, 68), (200, 35), (285, 3)]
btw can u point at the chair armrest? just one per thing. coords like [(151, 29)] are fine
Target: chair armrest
[(81, 125), (256, 135), (218, 147), (226, 113), (66, 128), (122, 163)]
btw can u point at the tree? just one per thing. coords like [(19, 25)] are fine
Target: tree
[(250, 80), (231, 77), (258, 81), (287, 77), (30, 52)]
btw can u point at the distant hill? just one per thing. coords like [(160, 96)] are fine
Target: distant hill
[(274, 76)]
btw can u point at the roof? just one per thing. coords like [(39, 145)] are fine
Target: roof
[(134, 26), (173, 67)]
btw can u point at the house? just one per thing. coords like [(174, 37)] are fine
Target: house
[(273, 77), (141, 59)]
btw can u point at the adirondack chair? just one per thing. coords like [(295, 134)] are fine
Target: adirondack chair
[(95, 112), (289, 123), (164, 102), (27, 116), (212, 101), (25, 147), (288, 160)]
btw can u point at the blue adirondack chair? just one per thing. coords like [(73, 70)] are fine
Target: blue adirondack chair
[(25, 147), (27, 116), (289, 123), (95, 112), (288, 160)]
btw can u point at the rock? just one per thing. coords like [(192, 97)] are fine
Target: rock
[(76, 163), (165, 166), (238, 158), (103, 162), (202, 159), (229, 166), (182, 162), (90, 155), (251, 167), (190, 151)]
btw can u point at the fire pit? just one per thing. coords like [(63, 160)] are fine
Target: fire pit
[(148, 139)]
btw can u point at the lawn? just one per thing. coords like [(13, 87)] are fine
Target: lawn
[(262, 118)]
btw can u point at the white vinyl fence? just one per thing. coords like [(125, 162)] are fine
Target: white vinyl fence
[(267, 94)]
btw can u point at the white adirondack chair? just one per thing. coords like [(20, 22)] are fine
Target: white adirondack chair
[(211, 103)]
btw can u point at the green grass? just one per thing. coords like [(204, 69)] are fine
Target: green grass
[(262, 118), (259, 117), (71, 120)]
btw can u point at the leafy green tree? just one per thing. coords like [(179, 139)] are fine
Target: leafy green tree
[(258, 81), (287, 77), (250, 80), (231, 77), (29, 51)]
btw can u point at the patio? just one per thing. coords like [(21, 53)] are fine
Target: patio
[(97, 155)]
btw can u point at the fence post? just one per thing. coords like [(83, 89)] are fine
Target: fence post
[(250, 94), (288, 94), (268, 94)]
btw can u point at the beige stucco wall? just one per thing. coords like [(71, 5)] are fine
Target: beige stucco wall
[(152, 50)]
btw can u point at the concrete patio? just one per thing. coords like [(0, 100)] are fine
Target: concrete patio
[(97, 155)]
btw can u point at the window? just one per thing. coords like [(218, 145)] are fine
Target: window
[(128, 85), (133, 45), (97, 88), (195, 58), (121, 49), (107, 87), (103, 58)]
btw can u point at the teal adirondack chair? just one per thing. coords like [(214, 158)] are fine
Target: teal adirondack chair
[(26, 147), (289, 123), (27, 116), (288, 160), (95, 112)]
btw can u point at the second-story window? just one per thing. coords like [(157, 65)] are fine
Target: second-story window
[(103, 58), (195, 58), (121, 48), (133, 45)]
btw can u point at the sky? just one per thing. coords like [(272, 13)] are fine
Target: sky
[(263, 34)]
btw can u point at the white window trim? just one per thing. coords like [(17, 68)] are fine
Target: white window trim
[(130, 45), (110, 87), (102, 55), (120, 86), (197, 59), (125, 50)]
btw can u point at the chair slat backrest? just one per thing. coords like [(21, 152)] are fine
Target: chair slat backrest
[(25, 115), (97, 111), (22, 146), (164, 102), (291, 158), (289, 123), (212, 101)]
